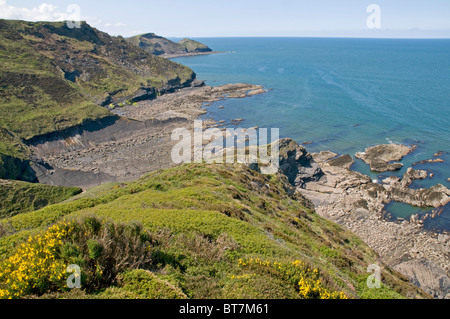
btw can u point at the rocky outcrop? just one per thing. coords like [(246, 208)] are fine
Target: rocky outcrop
[(398, 190), (411, 175), (427, 275), (298, 165), (380, 157)]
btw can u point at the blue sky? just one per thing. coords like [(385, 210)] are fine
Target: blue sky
[(215, 18)]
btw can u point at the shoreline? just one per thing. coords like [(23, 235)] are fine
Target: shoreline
[(140, 142), (137, 142), (352, 200)]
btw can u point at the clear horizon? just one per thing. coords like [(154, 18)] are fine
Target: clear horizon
[(263, 18)]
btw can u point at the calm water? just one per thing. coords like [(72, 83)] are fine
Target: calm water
[(340, 94)]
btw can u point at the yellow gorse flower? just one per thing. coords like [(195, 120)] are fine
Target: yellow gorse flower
[(305, 279), (35, 264)]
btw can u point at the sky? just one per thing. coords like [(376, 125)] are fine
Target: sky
[(245, 18)]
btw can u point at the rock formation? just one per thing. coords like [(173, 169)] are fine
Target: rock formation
[(297, 164), (354, 201), (380, 157)]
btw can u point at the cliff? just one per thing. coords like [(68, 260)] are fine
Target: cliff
[(53, 77), (158, 45)]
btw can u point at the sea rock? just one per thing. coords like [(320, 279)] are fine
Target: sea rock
[(323, 156), (380, 157), (411, 175), (345, 161), (429, 161), (256, 92)]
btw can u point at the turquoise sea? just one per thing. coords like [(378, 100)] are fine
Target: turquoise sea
[(341, 94)]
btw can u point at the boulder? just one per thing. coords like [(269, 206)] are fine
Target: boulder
[(380, 157)]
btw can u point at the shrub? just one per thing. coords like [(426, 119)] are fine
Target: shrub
[(102, 249), (35, 267), (141, 284), (307, 281)]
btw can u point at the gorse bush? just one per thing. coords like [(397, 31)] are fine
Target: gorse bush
[(36, 266), (100, 248), (307, 281)]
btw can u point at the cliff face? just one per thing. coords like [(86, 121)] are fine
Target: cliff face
[(53, 77), (158, 45)]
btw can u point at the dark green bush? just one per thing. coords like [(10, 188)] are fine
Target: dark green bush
[(95, 249), (141, 284), (104, 249)]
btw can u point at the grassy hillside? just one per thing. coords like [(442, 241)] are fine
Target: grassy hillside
[(201, 231), (194, 46), (53, 77), (20, 197), (158, 45)]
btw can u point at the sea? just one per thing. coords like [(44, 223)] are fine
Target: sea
[(342, 95)]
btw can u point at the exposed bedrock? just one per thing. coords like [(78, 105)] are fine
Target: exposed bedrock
[(298, 165), (354, 201), (125, 146)]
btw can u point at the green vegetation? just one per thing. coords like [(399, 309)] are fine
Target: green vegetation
[(101, 249), (194, 46), (212, 231), (21, 197), (157, 45), (53, 78), (141, 284)]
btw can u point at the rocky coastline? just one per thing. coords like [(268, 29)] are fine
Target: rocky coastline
[(354, 201), (138, 141), (135, 141)]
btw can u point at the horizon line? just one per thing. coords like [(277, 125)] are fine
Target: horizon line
[(316, 36)]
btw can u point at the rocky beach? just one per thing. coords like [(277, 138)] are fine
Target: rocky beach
[(125, 147), (354, 201), (138, 141)]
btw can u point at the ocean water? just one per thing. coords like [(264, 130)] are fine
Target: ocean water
[(340, 94)]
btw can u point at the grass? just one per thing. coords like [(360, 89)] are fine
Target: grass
[(20, 197), (204, 218)]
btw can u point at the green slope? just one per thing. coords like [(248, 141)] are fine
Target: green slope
[(194, 46), (21, 197), (217, 232), (53, 78)]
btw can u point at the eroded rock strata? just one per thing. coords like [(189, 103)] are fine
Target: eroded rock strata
[(124, 147), (354, 201)]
